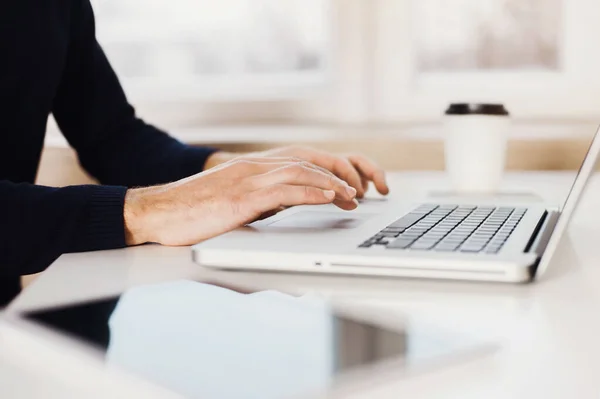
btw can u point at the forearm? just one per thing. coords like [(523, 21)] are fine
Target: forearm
[(137, 154), (93, 113), (41, 223)]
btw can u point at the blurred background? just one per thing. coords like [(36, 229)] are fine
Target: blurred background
[(349, 75)]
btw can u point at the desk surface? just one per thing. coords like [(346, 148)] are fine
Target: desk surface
[(548, 332)]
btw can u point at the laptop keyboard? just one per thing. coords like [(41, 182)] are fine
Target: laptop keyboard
[(450, 228)]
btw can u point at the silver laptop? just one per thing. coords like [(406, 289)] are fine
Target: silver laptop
[(381, 238)]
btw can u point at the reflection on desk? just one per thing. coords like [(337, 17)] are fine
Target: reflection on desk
[(203, 340)]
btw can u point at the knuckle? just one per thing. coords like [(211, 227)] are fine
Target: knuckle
[(240, 163), (314, 194), (295, 170), (305, 164), (326, 171), (309, 193), (333, 181), (295, 159), (340, 163)]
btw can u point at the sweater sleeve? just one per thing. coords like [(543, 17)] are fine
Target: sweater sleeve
[(91, 109), (41, 223)]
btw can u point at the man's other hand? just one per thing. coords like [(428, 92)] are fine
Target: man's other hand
[(228, 196), (356, 170)]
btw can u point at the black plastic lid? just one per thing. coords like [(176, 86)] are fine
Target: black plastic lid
[(476, 109)]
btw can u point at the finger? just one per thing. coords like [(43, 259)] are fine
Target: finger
[(243, 167), (255, 165), (278, 195), (291, 160), (301, 174), (341, 167), (371, 171), (365, 183), (288, 160), (346, 205), (259, 159)]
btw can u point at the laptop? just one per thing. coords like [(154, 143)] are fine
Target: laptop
[(465, 241)]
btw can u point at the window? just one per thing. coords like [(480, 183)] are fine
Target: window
[(216, 50), (475, 35), (190, 62), (538, 57), (185, 63)]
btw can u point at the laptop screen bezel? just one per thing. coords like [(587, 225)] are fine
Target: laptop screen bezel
[(570, 205)]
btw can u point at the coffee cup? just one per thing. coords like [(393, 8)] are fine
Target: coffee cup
[(475, 140)]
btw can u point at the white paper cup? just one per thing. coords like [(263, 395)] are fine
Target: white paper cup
[(475, 138)]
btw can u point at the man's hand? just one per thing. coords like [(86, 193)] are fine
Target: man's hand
[(228, 196), (356, 170)]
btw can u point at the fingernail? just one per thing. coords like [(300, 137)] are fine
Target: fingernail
[(351, 191), (329, 194)]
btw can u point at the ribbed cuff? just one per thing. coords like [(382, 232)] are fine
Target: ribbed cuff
[(102, 226), (106, 224)]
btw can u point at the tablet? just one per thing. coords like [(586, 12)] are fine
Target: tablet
[(202, 340), (207, 340)]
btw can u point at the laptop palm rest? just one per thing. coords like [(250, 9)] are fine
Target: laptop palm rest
[(322, 220)]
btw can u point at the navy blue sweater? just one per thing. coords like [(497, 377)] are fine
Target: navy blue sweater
[(50, 62)]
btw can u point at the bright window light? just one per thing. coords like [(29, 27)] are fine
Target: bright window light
[(225, 50)]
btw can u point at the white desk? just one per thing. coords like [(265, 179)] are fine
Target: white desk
[(549, 332)]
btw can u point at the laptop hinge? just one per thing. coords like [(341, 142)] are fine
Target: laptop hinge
[(542, 233)]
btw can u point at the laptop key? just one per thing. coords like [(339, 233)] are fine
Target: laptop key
[(413, 232), (400, 244), (408, 237), (437, 236), (462, 230), (494, 247), (407, 221), (471, 249), (395, 229), (456, 236), (423, 245), (448, 207), (480, 236), (450, 228), (446, 248), (388, 234)]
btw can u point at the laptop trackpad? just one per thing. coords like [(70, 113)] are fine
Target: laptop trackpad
[(322, 220)]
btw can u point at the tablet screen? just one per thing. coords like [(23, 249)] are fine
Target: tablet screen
[(206, 340)]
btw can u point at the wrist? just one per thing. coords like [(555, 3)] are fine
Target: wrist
[(218, 158), (134, 215)]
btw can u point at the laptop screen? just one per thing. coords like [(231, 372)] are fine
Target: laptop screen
[(585, 171), (211, 341)]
